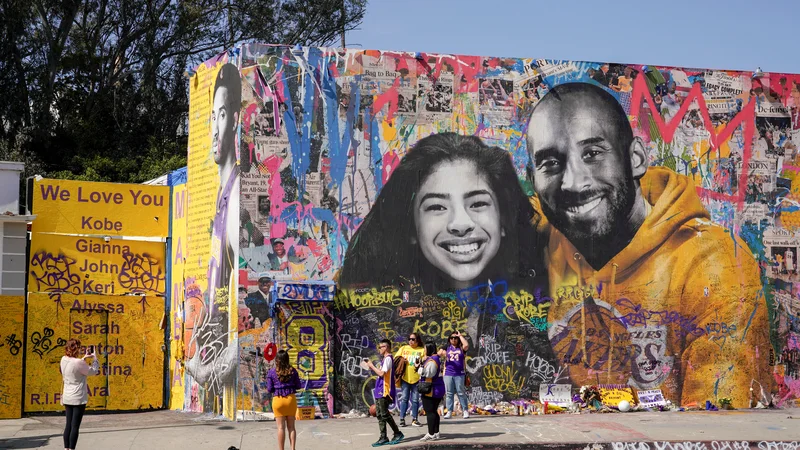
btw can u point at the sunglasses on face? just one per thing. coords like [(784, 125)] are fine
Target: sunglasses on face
[(412, 339), (453, 337)]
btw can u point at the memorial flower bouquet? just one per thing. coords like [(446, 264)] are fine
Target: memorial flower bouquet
[(725, 403)]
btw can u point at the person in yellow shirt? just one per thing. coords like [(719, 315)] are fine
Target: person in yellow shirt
[(646, 290), (413, 352)]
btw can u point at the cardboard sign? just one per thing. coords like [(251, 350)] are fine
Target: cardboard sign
[(652, 398), (557, 394), (305, 413), (612, 395)]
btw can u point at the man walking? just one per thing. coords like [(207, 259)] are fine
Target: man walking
[(384, 394)]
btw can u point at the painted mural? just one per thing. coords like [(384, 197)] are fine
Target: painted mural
[(177, 294), (579, 222), (213, 183)]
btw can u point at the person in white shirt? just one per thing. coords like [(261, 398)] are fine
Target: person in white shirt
[(789, 256), (75, 393)]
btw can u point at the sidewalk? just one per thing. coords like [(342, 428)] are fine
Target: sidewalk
[(189, 431)]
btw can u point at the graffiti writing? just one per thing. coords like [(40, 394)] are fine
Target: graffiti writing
[(503, 378), (488, 298), (478, 396), (710, 445), (540, 367), (641, 316), (14, 344), (42, 343), (436, 329), (524, 307), (351, 365), (54, 273), (141, 273), (369, 299), (719, 332), (306, 292)]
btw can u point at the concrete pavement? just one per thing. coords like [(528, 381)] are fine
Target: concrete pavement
[(640, 430)]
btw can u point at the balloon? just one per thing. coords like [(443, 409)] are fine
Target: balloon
[(624, 406)]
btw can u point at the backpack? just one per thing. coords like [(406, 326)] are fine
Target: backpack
[(400, 365)]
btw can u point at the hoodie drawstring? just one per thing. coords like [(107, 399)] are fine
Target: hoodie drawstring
[(577, 257), (611, 301)]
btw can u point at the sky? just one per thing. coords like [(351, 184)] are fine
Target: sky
[(713, 34)]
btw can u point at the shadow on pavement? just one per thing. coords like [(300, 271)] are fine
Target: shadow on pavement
[(449, 439), (27, 442)]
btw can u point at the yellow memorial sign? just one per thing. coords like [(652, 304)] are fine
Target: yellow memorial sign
[(612, 394), (177, 348), (76, 265), (12, 333), (108, 209), (125, 334)]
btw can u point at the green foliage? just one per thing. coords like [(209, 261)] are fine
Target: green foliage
[(96, 89)]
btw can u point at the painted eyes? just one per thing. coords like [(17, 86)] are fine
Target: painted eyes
[(478, 206)]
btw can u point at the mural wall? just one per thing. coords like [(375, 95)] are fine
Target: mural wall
[(125, 334), (97, 273), (177, 347), (585, 222), (213, 183)]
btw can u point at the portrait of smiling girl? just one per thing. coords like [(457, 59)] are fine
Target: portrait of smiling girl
[(451, 216)]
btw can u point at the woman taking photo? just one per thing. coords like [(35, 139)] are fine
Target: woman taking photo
[(283, 382), (75, 393), (429, 372)]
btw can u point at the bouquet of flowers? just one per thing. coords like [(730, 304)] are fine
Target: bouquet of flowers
[(591, 396)]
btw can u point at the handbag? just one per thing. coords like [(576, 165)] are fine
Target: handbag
[(424, 386)]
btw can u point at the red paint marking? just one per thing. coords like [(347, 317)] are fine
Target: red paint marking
[(390, 97), (746, 118)]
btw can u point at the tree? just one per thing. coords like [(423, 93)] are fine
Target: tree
[(96, 89)]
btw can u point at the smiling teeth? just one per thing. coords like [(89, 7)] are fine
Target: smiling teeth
[(463, 249), (585, 207)]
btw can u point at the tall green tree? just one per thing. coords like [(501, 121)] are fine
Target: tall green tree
[(96, 89)]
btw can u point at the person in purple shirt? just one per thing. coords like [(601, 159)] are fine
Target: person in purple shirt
[(430, 371), (384, 393), (454, 375), (283, 382)]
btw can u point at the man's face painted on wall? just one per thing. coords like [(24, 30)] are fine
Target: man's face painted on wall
[(457, 221), (582, 173), (222, 123)]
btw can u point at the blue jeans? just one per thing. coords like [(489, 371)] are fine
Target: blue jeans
[(403, 400), (453, 385)]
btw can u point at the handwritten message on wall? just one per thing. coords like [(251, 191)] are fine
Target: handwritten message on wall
[(124, 332), (12, 329)]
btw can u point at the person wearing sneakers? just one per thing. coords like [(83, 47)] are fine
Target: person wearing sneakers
[(384, 394), (413, 353), (454, 374), (430, 371)]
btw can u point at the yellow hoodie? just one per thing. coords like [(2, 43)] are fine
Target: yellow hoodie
[(683, 302)]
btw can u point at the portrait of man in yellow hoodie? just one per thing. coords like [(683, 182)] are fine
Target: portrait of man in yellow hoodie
[(647, 290)]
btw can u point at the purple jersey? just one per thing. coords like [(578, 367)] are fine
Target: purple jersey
[(454, 366), (384, 386)]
